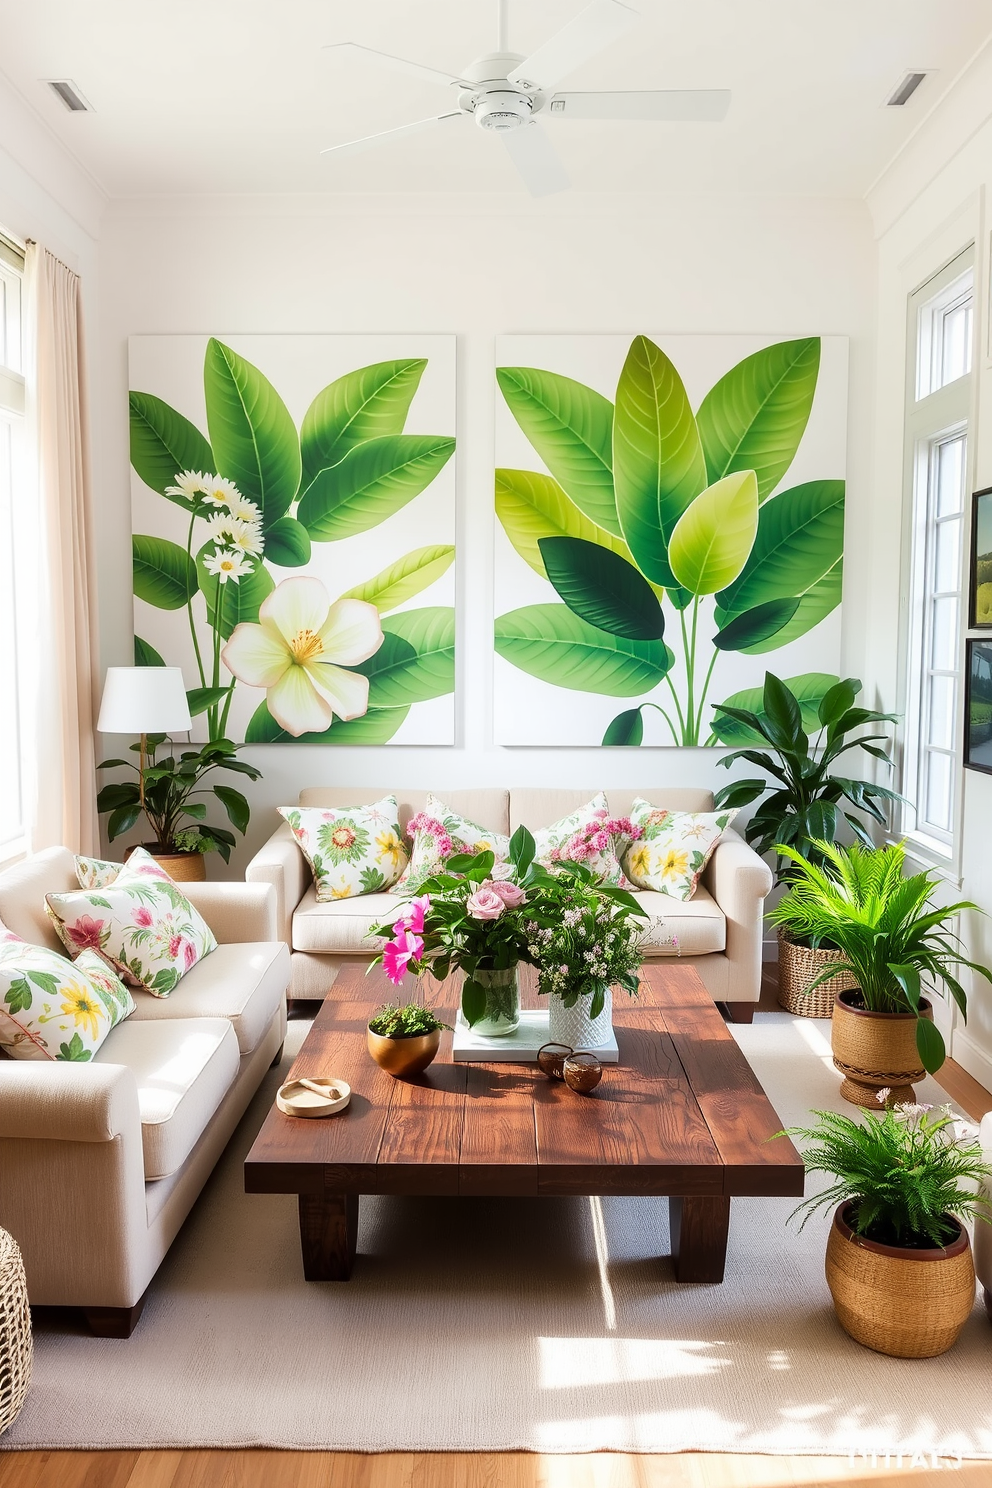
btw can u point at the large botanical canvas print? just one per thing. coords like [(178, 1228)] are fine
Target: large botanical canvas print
[(670, 524), (293, 523)]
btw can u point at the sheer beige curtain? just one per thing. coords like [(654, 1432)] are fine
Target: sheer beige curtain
[(62, 799)]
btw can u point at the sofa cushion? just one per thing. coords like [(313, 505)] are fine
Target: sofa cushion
[(54, 1008), (673, 848), (436, 833), (343, 924), (183, 1068), (485, 804), (242, 982), (590, 836), (351, 850), (694, 927)]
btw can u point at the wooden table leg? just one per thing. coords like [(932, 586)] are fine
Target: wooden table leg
[(699, 1228), (328, 1235)]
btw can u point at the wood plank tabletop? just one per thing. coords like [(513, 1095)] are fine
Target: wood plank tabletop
[(681, 1113)]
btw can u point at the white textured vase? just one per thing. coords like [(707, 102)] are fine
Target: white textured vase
[(573, 1025)]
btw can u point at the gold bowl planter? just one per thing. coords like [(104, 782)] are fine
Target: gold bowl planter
[(874, 1051), (402, 1057), (911, 1304)]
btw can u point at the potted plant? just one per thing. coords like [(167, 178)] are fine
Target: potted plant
[(891, 939), (404, 1040), (808, 803), (899, 1264), (163, 792), (584, 941), (470, 917)]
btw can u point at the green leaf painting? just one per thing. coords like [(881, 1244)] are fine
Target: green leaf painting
[(294, 537), (681, 545)]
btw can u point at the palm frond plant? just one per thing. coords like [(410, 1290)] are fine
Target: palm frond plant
[(810, 801), (894, 941)]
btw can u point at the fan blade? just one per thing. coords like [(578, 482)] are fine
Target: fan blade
[(389, 134), (585, 35), (399, 64), (536, 159), (697, 104)]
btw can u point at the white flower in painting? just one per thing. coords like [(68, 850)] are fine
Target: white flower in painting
[(240, 506), (237, 534), (299, 650), (227, 564), (220, 492), (189, 485)]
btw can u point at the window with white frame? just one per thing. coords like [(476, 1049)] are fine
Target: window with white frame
[(941, 330), (12, 485)]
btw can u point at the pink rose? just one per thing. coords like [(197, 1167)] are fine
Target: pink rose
[(485, 904), (143, 917), (511, 894)]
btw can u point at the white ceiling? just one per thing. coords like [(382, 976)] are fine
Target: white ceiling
[(203, 96)]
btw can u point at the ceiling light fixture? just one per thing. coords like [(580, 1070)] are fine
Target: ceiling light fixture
[(67, 92), (906, 88)]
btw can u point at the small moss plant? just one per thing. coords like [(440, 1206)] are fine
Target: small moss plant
[(905, 1173), (412, 1021)]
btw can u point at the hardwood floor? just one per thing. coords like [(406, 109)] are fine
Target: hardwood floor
[(270, 1469)]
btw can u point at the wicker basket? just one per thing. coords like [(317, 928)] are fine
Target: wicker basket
[(798, 965), (15, 1332), (911, 1304)]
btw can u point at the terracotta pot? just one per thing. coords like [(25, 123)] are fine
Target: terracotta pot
[(402, 1057), (183, 867), (911, 1304), (875, 1050)]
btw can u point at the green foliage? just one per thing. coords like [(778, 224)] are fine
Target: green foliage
[(902, 1171), (893, 939), (231, 604), (373, 481), (411, 1021), (287, 542), (18, 995), (626, 729), (531, 506), (808, 801), (602, 588), (163, 442), (377, 726), (164, 573), (364, 404), (73, 1051), (552, 643), (582, 936), (713, 537), (406, 577), (253, 437), (416, 660), (145, 654), (169, 786)]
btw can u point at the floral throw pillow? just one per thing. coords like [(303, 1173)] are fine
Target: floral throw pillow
[(436, 833), (53, 1008), (97, 873), (352, 851), (590, 836), (673, 847), (142, 924)]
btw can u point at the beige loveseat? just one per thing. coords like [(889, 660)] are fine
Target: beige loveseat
[(719, 931), (100, 1163)]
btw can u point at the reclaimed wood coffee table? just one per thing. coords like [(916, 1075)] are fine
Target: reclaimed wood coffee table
[(681, 1115)]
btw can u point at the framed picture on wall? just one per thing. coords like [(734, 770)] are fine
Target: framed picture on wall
[(978, 707), (980, 615)]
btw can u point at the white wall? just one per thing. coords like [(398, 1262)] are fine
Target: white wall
[(929, 205), (467, 266)]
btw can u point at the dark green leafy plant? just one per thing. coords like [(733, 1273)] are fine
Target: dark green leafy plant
[(164, 789), (903, 1174), (891, 936), (809, 803), (412, 1021)]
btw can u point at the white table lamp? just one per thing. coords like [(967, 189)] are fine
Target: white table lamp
[(142, 701)]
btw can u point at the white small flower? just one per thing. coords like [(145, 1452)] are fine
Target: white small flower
[(882, 1095), (189, 484), (240, 506), (227, 564), (220, 492), (248, 537)]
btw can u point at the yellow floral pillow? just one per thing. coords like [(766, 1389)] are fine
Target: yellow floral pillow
[(354, 851), (674, 847), (53, 1008)]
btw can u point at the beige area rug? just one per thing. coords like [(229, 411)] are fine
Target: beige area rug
[(493, 1324)]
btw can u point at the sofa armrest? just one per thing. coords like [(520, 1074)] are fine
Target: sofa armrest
[(65, 1102), (236, 912), (280, 863), (740, 882)]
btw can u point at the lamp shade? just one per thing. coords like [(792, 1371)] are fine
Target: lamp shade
[(144, 700)]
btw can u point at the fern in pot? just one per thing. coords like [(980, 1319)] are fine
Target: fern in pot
[(899, 1263), (894, 943)]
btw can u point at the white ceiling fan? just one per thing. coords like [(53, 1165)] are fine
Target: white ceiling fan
[(505, 92)]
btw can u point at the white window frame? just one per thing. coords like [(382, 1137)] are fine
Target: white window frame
[(934, 414), (14, 521)]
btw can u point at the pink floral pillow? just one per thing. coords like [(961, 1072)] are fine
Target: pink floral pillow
[(141, 924), (590, 836)]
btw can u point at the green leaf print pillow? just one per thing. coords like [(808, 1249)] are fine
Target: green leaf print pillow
[(54, 1008), (674, 847), (352, 850)]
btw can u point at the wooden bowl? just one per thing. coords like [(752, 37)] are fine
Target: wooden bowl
[(294, 1099), (402, 1057)]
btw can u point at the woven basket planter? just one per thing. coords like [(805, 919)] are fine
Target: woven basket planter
[(15, 1332), (911, 1304), (798, 966), (875, 1051)]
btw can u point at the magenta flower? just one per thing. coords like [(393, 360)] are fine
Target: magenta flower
[(511, 894), (143, 917), (86, 934), (397, 954), (412, 917), (485, 903)]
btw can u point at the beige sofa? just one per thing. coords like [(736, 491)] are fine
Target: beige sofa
[(100, 1163), (719, 931)]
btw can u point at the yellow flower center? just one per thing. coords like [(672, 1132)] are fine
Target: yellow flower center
[(305, 645)]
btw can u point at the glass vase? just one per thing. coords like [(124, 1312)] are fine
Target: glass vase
[(573, 1025), (502, 993)]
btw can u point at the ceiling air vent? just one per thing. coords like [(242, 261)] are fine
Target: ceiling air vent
[(66, 90), (905, 90)]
